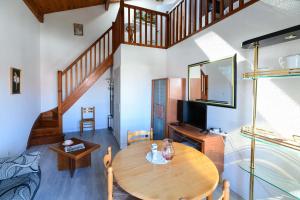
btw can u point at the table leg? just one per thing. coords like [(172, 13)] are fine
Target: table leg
[(72, 166)]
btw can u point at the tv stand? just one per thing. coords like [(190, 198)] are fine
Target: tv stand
[(177, 124), (212, 145)]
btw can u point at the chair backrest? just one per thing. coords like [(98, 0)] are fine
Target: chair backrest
[(138, 136), (107, 158), (110, 183), (87, 110), (225, 191)]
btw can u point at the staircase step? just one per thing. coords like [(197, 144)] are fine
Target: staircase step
[(40, 132), (46, 140), (49, 114), (47, 123)]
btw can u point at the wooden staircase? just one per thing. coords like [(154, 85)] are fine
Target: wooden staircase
[(73, 82), (46, 129)]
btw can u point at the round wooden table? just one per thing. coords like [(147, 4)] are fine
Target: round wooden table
[(189, 175)]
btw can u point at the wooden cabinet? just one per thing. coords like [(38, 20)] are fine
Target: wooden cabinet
[(211, 145), (165, 93)]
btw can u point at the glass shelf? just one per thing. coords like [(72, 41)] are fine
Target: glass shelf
[(272, 73), (270, 137), (274, 177)]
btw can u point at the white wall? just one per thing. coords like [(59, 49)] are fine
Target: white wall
[(98, 96), (279, 100), (59, 48), (117, 94), (138, 67), (19, 39)]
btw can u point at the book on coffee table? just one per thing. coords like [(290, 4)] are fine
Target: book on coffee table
[(75, 147)]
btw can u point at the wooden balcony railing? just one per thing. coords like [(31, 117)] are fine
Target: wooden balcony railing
[(118, 28), (144, 27), (192, 16)]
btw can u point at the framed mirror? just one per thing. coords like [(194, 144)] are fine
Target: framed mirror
[(213, 82)]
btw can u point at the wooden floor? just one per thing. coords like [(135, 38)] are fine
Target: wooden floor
[(87, 183)]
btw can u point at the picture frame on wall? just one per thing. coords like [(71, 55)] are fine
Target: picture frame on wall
[(15, 80), (78, 29)]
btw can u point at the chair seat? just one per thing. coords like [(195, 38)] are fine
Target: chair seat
[(88, 120), (120, 194)]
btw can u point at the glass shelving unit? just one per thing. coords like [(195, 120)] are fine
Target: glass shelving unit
[(254, 166), (270, 137), (282, 73), (269, 175), (266, 172)]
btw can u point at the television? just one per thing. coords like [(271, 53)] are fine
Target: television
[(193, 113), (182, 111)]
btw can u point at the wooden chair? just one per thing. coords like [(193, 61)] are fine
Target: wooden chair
[(114, 192), (139, 136), (107, 158), (110, 183), (225, 192), (87, 122)]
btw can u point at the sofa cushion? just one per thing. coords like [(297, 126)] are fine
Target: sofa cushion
[(23, 187), (17, 166)]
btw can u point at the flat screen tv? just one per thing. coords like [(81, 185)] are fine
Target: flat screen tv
[(193, 113), (182, 111)]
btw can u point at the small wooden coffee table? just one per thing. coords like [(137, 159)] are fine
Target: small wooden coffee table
[(77, 159)]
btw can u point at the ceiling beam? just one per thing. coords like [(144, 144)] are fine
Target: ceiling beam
[(35, 10)]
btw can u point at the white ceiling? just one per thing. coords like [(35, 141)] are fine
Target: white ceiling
[(162, 6), (287, 7)]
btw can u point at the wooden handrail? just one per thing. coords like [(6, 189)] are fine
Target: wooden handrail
[(80, 56), (59, 99), (175, 6), (84, 65), (88, 49), (145, 9)]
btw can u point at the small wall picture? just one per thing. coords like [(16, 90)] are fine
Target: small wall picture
[(15, 79), (78, 29)]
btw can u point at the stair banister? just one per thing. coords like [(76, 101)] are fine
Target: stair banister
[(59, 99), (122, 35)]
